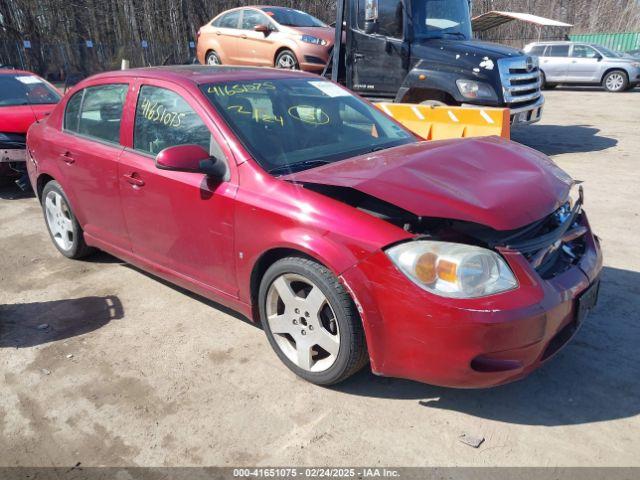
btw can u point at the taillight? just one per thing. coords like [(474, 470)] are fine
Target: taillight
[(197, 34)]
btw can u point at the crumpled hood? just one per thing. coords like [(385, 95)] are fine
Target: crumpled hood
[(490, 181)]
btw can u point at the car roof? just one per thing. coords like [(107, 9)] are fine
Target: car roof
[(202, 74), (11, 71), (564, 42)]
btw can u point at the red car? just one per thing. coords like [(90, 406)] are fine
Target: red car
[(463, 263), (24, 98)]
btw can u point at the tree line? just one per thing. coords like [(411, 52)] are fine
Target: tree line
[(57, 31)]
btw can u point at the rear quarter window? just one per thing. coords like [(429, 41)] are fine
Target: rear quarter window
[(538, 50)]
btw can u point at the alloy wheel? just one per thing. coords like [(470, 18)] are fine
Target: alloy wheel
[(59, 220), (286, 61), (212, 59), (615, 82), (303, 324)]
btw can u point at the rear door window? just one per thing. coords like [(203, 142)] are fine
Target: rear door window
[(230, 20), (557, 51), (164, 119), (96, 112)]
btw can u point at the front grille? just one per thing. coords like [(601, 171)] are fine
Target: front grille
[(554, 244), (520, 78)]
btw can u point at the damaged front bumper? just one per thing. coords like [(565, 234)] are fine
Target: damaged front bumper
[(13, 155), (472, 343)]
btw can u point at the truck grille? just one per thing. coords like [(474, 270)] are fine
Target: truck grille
[(520, 80)]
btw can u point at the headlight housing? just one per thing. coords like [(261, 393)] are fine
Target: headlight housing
[(453, 270), (312, 39), (473, 89)]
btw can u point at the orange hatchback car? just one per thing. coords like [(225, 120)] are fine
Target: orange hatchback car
[(268, 37)]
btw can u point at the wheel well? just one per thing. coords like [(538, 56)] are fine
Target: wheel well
[(280, 50), (41, 182), (422, 94), (262, 265), (621, 70)]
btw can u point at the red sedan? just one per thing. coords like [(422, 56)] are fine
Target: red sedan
[(282, 195), (24, 98)]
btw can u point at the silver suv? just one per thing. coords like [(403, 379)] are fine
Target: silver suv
[(584, 64)]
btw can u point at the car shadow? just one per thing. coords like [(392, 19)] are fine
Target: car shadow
[(558, 139), (210, 303), (29, 324), (594, 379)]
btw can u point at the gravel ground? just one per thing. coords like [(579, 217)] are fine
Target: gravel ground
[(133, 371)]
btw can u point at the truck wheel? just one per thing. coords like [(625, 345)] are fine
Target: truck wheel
[(311, 321), (615, 81), (64, 229), (287, 60), (213, 58), (433, 103)]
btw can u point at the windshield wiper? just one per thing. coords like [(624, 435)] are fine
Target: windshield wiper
[(291, 167)]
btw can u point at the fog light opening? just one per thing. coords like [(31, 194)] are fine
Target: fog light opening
[(488, 365)]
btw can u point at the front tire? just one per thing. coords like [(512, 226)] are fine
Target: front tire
[(311, 322), (287, 60), (64, 229), (615, 81), (543, 83)]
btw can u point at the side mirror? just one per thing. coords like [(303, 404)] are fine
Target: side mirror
[(190, 158), (266, 29), (598, 57), (371, 17), (370, 27)]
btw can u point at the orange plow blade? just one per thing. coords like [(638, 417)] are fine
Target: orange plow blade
[(438, 123)]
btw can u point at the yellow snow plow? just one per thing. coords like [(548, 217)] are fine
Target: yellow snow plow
[(438, 123)]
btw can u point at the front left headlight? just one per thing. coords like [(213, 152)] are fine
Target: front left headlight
[(473, 89), (453, 270), (312, 39)]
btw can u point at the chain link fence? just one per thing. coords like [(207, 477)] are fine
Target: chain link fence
[(62, 62)]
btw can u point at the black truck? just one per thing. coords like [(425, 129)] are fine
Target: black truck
[(423, 51)]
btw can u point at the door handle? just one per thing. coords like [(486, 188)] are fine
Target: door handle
[(134, 180), (67, 158), (358, 55), (218, 32), (243, 36)]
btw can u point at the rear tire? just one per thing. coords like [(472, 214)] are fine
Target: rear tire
[(615, 81), (318, 331), (213, 58), (65, 231)]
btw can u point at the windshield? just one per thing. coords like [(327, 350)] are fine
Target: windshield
[(608, 53), (293, 18), (26, 90), (293, 124), (441, 19)]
